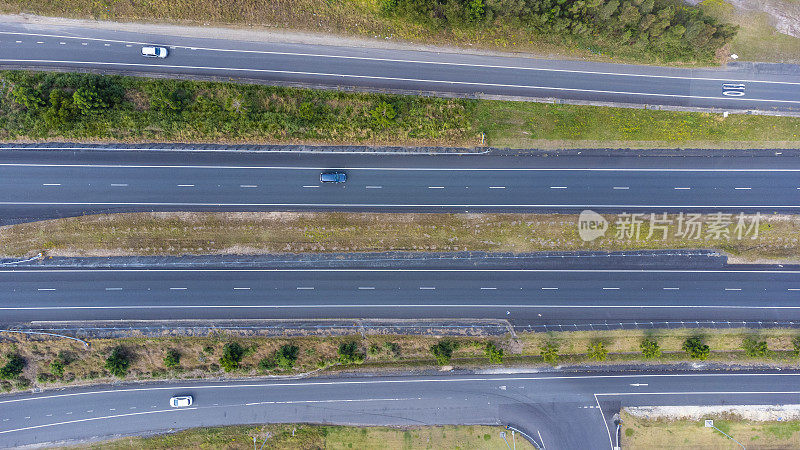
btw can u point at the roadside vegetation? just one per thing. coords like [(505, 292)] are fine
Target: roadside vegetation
[(287, 232), (651, 31), (311, 437), (90, 108), (54, 363), (759, 21), (642, 433)]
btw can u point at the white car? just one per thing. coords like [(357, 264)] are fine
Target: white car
[(154, 52), (181, 402)]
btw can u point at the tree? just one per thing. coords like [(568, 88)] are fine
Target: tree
[(286, 356), (27, 96), (349, 353), (88, 101), (13, 367), (549, 352), (232, 354), (695, 348), (494, 354), (172, 359), (597, 351), (118, 362), (476, 11), (650, 349), (754, 348)]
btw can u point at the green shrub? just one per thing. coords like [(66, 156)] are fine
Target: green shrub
[(286, 356), (796, 346), (349, 353), (172, 359), (13, 367), (232, 354), (549, 352), (754, 348), (57, 368), (695, 348), (494, 353), (383, 114), (650, 349), (266, 364), (597, 351), (393, 348), (118, 362), (443, 351)]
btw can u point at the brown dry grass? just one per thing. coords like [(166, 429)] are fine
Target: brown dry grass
[(259, 233), (639, 433), (200, 354), (303, 436)]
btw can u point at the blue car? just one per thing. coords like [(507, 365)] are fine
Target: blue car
[(332, 177)]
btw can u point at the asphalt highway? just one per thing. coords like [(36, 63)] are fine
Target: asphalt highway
[(42, 46), (41, 184), (524, 297), (558, 411)]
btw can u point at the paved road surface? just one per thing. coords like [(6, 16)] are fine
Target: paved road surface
[(41, 184), (560, 411), (525, 297), (83, 49)]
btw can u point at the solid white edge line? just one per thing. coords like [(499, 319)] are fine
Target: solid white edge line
[(150, 270), (389, 205), (383, 78), (91, 419), (407, 305), (605, 422), (386, 169)]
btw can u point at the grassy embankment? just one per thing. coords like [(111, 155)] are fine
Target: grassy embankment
[(81, 107), (757, 39), (644, 434), (285, 232), (53, 363), (647, 31), (308, 437)]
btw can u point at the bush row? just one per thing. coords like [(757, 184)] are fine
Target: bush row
[(119, 359), (86, 106)]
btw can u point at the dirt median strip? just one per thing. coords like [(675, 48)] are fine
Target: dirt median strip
[(253, 233)]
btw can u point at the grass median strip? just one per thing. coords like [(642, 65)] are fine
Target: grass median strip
[(88, 108), (307, 437), (288, 232)]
